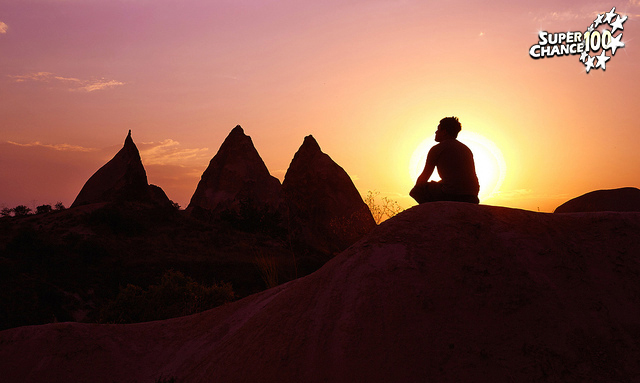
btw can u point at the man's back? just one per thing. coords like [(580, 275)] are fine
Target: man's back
[(455, 165)]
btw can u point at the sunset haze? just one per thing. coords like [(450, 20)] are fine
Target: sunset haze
[(368, 79)]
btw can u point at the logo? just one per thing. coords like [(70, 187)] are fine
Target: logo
[(597, 38)]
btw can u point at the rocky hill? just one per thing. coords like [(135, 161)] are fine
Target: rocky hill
[(122, 179), (77, 264), (317, 205), (446, 292), (323, 206), (621, 199), (236, 174)]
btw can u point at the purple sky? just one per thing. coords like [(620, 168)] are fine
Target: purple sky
[(369, 79)]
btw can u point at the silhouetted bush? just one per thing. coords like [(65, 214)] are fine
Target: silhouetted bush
[(176, 295), (6, 212), (59, 206), (43, 209), (386, 208), (21, 210)]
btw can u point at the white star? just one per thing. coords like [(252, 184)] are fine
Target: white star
[(589, 63), (602, 59), (591, 28), (615, 44), (598, 20), (583, 56), (618, 23), (610, 15)]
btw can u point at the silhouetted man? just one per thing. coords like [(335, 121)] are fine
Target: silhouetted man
[(455, 165)]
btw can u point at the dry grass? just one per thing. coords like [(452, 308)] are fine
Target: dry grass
[(267, 265)]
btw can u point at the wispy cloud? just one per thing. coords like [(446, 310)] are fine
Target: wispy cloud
[(3, 28), (166, 152), (100, 84), (561, 16), (59, 147), (70, 83), (39, 76), (588, 10), (170, 152), (633, 9)]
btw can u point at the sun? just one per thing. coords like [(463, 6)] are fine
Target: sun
[(490, 165)]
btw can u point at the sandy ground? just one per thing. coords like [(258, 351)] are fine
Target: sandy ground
[(444, 292)]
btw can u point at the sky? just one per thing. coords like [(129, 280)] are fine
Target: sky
[(368, 79)]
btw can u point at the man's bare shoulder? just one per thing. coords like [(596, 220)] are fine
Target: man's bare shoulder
[(453, 144), (435, 150)]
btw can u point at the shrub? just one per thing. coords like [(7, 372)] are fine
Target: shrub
[(6, 212), (43, 209), (21, 210), (176, 295), (383, 210)]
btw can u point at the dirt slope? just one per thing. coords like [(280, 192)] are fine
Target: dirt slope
[(444, 292)]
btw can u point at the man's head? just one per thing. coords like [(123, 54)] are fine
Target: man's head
[(448, 128)]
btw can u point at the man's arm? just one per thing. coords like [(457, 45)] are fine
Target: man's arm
[(428, 168)]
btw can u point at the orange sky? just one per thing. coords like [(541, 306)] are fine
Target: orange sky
[(369, 79)]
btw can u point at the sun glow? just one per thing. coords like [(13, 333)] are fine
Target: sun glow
[(490, 164)]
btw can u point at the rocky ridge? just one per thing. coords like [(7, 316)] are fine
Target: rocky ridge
[(445, 291)]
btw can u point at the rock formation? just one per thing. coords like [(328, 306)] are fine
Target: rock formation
[(443, 292), (235, 174), (324, 208), (622, 199), (122, 179)]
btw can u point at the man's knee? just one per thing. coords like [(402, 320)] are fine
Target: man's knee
[(427, 192), (419, 193), (432, 192)]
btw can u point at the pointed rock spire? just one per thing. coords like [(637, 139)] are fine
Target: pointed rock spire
[(129, 141), (121, 179), (236, 173), (310, 145), (324, 204)]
